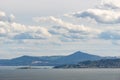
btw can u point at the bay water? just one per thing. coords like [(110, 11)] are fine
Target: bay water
[(12, 73)]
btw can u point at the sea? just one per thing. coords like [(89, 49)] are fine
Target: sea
[(47, 73)]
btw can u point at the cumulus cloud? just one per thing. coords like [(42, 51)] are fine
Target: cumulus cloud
[(62, 24), (69, 30), (31, 32), (2, 14), (65, 31), (11, 18), (2, 32), (13, 30), (108, 12), (19, 31), (73, 32), (100, 15), (110, 4)]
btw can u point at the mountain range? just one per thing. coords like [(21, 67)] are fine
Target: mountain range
[(103, 63), (50, 60)]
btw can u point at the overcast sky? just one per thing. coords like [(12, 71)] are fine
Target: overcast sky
[(52, 27)]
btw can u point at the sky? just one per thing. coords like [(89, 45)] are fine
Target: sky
[(59, 27)]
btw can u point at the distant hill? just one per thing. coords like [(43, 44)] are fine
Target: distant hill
[(104, 63), (50, 60), (30, 60), (77, 57)]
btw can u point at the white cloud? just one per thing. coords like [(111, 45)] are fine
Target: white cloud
[(110, 4), (2, 32), (2, 14), (100, 15), (69, 30), (108, 12), (30, 32), (16, 30), (60, 29), (62, 24), (13, 30), (11, 18), (73, 32)]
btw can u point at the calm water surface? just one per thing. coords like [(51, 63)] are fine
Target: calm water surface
[(11, 73)]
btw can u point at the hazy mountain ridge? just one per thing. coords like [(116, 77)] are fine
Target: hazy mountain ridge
[(50, 60), (103, 63), (77, 57)]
